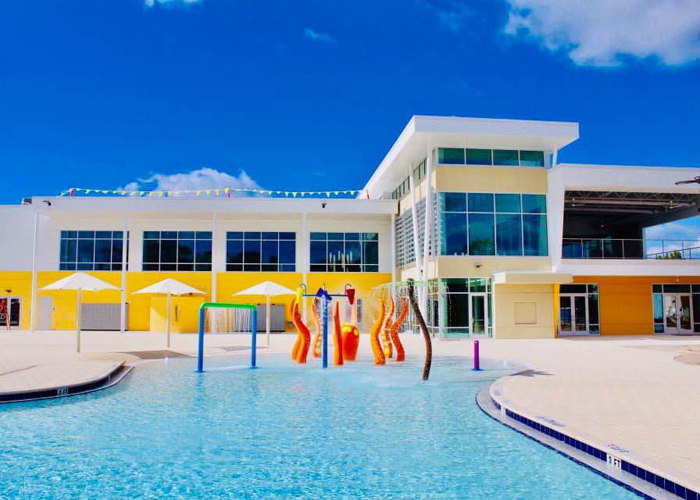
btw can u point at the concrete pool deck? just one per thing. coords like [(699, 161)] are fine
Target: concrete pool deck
[(628, 392)]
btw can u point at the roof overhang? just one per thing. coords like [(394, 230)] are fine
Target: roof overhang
[(531, 278), (426, 132)]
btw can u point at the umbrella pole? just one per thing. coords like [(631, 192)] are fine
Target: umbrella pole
[(267, 321), (167, 321), (78, 319)]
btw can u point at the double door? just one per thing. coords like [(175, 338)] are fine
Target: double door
[(10, 312), (573, 314), (677, 314)]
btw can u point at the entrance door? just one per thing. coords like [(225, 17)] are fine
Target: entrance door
[(45, 311), (10, 312), (677, 313), (573, 314), (478, 316)]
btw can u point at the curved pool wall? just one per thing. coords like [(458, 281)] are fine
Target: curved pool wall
[(283, 431)]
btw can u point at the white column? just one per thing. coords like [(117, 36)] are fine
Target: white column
[(414, 212), (304, 260), (554, 158), (32, 307), (122, 313), (428, 225), (393, 251)]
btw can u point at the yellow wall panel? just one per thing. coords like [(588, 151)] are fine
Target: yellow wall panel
[(505, 321), (491, 179)]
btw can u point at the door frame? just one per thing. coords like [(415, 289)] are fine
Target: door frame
[(572, 299), (677, 296), (485, 297), (9, 301)]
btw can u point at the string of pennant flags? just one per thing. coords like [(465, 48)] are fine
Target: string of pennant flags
[(226, 191)]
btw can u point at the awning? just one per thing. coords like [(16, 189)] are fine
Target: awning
[(530, 277)]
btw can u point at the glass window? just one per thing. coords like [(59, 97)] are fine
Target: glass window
[(176, 251), (658, 308), (532, 158), (90, 251), (481, 237), (480, 202), (454, 241), (451, 156), (508, 203), (572, 288), (344, 252), (505, 157), (676, 288), (593, 309), (508, 234), (254, 251), (478, 157), (453, 202), (535, 235), (534, 204)]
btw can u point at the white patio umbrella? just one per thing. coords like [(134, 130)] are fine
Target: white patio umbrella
[(169, 287), (268, 289), (80, 282)]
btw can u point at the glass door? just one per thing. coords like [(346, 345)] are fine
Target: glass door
[(573, 314), (10, 312), (677, 313), (478, 316)]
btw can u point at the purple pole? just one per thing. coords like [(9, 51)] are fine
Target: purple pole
[(476, 356)]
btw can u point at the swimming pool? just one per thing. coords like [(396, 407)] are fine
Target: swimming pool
[(282, 431)]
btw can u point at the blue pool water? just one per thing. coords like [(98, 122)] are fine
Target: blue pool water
[(282, 431)]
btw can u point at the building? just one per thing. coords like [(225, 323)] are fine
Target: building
[(510, 244)]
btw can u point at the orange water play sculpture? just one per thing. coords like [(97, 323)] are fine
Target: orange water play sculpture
[(350, 334), (318, 336), (337, 337), (400, 352), (379, 358), (300, 351), (386, 341)]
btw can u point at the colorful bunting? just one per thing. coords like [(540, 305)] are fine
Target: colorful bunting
[(216, 192)]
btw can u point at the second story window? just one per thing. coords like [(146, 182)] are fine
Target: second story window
[(493, 224), (255, 251), (177, 250), (344, 252), (502, 157), (91, 251)]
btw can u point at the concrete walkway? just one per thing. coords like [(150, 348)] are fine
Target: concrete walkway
[(630, 392)]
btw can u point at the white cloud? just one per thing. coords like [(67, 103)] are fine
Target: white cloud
[(453, 17), (202, 178), (171, 3), (315, 36), (605, 32), (678, 235)]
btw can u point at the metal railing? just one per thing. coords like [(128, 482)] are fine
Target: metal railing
[(609, 248)]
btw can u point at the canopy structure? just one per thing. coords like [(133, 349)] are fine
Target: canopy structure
[(79, 282), (268, 289), (169, 287)]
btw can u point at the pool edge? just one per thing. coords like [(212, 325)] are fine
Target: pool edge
[(105, 382)]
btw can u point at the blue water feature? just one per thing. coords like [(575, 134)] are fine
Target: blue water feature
[(282, 431)]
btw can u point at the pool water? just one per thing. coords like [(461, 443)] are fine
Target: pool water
[(282, 431)]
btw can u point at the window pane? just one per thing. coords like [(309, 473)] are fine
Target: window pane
[(458, 311), (480, 202), (336, 236), (103, 250), (535, 234), (270, 252), (288, 252), (353, 252), (532, 158), (572, 288), (86, 234), (370, 252), (677, 288), (505, 157), (453, 202), (185, 267), (269, 235), (534, 204), (168, 251), (456, 285), (234, 252), (202, 267), (658, 308), (251, 252), (508, 234), (478, 157), (335, 256), (287, 236), (68, 251), (318, 236), (318, 253), (252, 235), (103, 235), (186, 235), (234, 235), (696, 307), (454, 234), (593, 309), (151, 251), (168, 235), (203, 235), (185, 251), (150, 267), (117, 246), (151, 235), (508, 203), (370, 236), (86, 250), (352, 236), (481, 239), (451, 156)]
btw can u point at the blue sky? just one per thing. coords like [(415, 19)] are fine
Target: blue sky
[(311, 94)]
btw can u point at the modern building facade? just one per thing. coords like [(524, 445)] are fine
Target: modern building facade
[(507, 242)]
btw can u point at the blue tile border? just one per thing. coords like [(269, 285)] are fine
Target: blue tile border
[(653, 479)]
